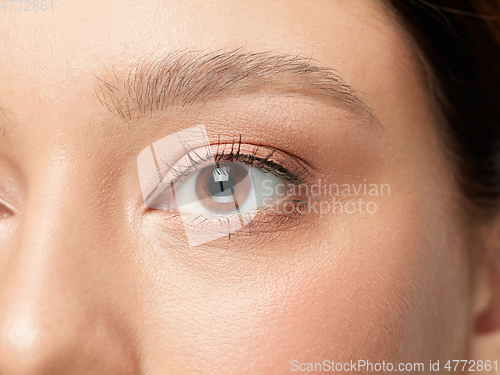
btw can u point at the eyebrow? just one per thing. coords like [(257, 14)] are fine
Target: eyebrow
[(186, 78)]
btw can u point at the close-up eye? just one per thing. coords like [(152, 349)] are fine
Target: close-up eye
[(218, 189)]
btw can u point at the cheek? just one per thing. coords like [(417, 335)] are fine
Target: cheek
[(392, 287), (413, 279)]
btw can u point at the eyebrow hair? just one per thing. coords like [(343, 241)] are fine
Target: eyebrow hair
[(186, 78)]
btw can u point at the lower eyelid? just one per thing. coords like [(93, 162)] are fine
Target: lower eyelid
[(270, 219)]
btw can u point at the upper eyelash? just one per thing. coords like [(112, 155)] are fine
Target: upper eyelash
[(295, 172), (294, 175)]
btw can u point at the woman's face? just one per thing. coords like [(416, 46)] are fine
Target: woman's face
[(93, 281)]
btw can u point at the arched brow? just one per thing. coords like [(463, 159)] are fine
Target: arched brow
[(186, 78)]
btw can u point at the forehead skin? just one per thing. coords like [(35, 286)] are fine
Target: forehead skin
[(81, 274)]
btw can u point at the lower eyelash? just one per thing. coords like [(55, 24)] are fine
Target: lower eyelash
[(268, 219)]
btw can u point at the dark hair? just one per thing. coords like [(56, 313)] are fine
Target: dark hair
[(460, 43)]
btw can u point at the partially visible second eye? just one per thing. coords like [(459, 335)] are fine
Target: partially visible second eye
[(5, 212), (224, 188)]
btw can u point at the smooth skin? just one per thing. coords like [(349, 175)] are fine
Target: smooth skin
[(92, 283)]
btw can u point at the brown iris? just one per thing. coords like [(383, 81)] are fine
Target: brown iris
[(223, 187)]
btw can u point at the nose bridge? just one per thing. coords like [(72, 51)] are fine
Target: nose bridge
[(71, 198), (53, 300)]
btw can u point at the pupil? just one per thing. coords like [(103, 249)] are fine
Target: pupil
[(222, 188)]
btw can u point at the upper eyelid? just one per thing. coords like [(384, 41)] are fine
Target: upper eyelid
[(235, 155), (254, 153)]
